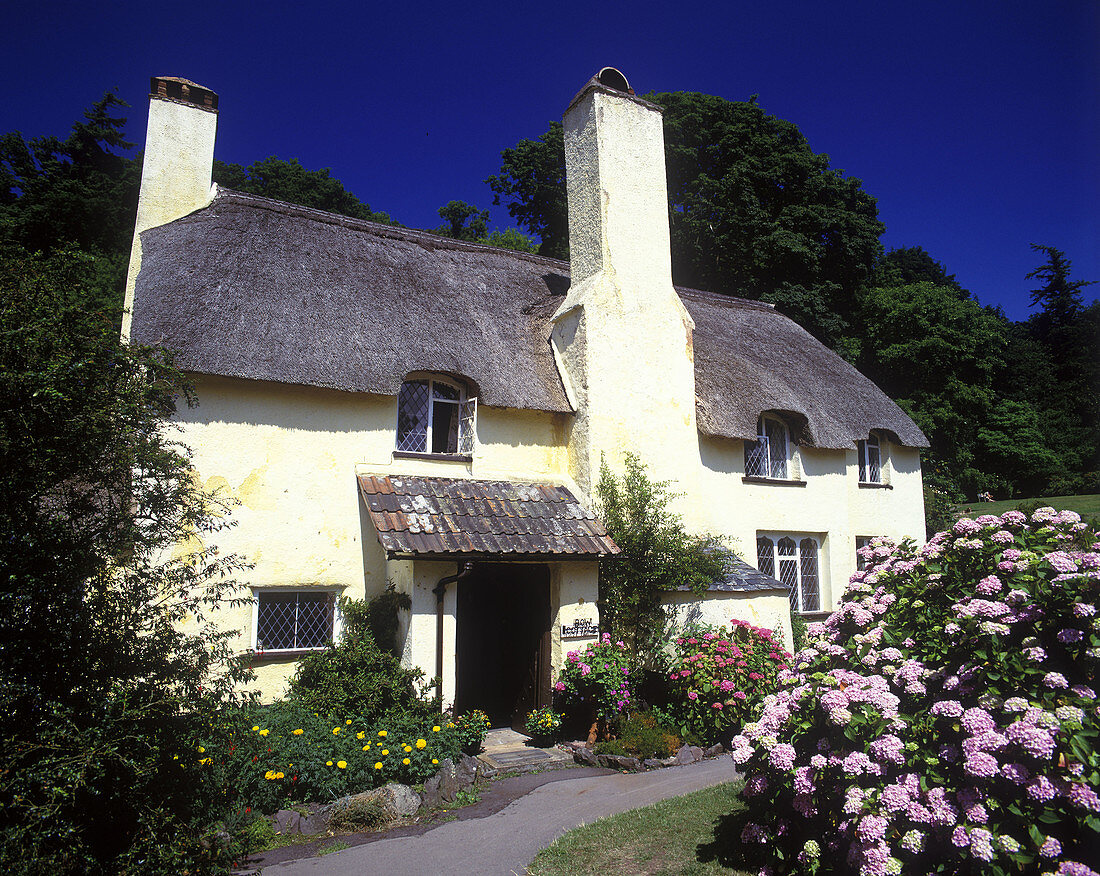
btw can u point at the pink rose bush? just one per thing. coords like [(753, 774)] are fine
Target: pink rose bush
[(718, 677), (944, 719), (597, 677)]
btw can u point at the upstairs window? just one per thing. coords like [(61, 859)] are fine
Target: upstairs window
[(434, 416), (870, 460), (794, 563), (767, 456), (294, 620)]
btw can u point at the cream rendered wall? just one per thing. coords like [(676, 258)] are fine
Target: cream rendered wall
[(288, 455), (831, 505)]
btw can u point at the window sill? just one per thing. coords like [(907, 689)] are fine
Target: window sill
[(866, 485), (778, 482), (439, 457), (271, 655)]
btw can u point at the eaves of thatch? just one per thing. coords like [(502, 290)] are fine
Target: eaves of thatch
[(258, 289)]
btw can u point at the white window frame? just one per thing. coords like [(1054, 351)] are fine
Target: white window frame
[(871, 459), (805, 568), (762, 448), (466, 414), (337, 617)]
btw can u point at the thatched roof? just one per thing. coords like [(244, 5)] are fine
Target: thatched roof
[(258, 289)]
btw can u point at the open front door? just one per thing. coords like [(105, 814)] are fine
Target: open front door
[(503, 641)]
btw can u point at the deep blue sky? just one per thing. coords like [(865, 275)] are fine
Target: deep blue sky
[(976, 125)]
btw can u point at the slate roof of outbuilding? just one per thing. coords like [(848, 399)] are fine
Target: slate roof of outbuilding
[(258, 289), (416, 516)]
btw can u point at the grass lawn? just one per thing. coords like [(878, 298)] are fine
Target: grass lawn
[(1087, 505), (660, 839)]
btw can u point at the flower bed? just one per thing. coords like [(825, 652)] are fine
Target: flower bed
[(597, 677), (944, 719), (288, 753)]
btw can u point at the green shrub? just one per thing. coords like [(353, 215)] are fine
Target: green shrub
[(597, 679), (383, 617), (641, 735), (798, 631), (356, 677), (944, 718)]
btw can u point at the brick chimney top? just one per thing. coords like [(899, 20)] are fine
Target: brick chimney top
[(184, 91)]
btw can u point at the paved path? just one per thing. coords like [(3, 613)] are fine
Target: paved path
[(506, 841)]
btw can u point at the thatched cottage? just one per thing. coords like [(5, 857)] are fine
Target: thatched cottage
[(390, 406)]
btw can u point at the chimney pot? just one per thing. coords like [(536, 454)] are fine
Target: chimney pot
[(612, 78), (183, 91)]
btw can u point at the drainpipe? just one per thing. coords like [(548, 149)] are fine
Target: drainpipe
[(440, 589)]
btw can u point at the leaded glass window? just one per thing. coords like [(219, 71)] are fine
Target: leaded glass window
[(870, 460), (293, 620), (766, 457), (434, 416), (795, 564)]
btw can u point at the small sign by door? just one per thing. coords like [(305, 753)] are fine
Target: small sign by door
[(581, 628)]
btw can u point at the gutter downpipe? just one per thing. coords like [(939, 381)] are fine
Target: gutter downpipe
[(440, 590)]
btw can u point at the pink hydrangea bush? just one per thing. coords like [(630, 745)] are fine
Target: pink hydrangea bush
[(944, 719), (597, 678), (718, 678)]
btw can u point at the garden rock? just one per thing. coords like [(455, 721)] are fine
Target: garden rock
[(287, 821), (714, 750), (444, 786), (372, 808), (689, 754), (586, 757), (652, 764), (619, 762), (399, 800)]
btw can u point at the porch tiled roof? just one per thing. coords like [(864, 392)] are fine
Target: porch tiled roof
[(418, 516)]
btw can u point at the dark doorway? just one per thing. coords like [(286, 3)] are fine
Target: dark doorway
[(503, 641)]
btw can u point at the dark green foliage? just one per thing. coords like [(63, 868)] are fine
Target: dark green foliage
[(798, 631), (464, 221), (657, 555), (100, 688), (913, 264), (382, 616), (753, 210), (642, 735), (288, 181), (357, 677), (78, 191)]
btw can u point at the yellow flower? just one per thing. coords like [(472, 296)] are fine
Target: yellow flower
[(434, 760), (407, 748), (365, 747), (175, 757), (264, 732), (257, 727), (270, 774), (202, 750), (328, 763), (435, 729), (335, 731), (405, 761), (342, 764), (382, 733), (378, 765), (279, 776), (360, 735), (348, 721), (421, 743), (206, 760), (299, 732), (385, 751), (450, 723)]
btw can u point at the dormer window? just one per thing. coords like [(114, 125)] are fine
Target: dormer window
[(768, 455), (870, 460), (435, 417)]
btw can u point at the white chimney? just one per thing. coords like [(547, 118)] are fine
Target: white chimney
[(622, 338), (177, 165)]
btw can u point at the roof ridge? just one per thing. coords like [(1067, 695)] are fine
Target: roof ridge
[(729, 300), (381, 229)]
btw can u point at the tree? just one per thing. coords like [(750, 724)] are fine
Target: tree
[(101, 689), (78, 191), (464, 221), (912, 264), (937, 355), (1059, 296), (658, 555), (753, 210), (288, 181)]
